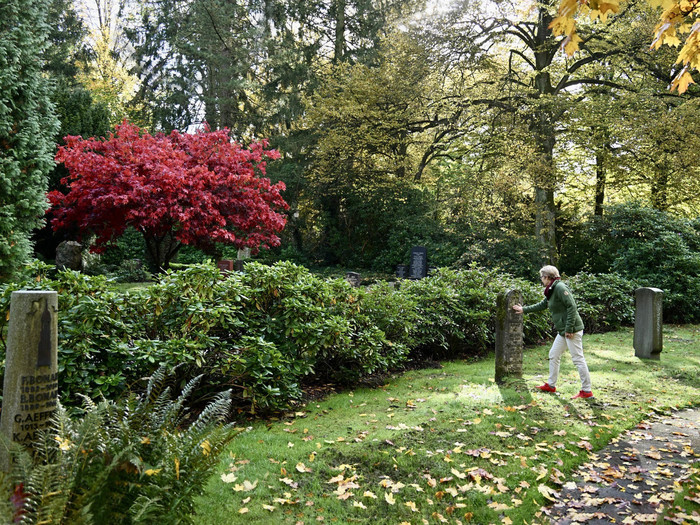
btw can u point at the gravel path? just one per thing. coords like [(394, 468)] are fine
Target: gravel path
[(636, 476)]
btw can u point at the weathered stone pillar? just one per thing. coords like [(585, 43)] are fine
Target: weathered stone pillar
[(509, 337), (30, 387), (648, 323)]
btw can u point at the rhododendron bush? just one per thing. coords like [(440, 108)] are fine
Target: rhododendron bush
[(197, 189)]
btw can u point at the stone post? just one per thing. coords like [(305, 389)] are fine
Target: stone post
[(648, 323), (353, 278), (509, 337), (30, 387)]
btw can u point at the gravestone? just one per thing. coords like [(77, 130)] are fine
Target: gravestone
[(30, 386), (225, 265), (402, 271), (69, 256), (509, 337), (418, 268), (353, 278), (648, 323)]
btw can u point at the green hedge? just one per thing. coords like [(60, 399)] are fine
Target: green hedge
[(263, 332)]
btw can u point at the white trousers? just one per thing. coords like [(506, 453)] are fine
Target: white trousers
[(575, 346)]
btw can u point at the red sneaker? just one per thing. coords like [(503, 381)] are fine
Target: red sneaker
[(583, 394), (546, 388)]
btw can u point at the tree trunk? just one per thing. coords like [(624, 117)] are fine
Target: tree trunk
[(545, 135), (659, 190), (600, 180), (339, 47)]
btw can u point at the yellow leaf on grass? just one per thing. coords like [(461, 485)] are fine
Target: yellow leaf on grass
[(153, 471), (246, 487), (303, 468), (411, 505), (459, 474), (228, 478), (244, 510), (358, 504), (548, 492), (389, 498), (269, 507), (369, 494)]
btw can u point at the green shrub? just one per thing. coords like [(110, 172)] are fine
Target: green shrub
[(449, 314), (647, 246), (605, 301), (136, 461)]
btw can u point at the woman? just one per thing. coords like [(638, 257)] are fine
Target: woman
[(568, 323)]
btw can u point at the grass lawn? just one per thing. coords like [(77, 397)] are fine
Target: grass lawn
[(447, 445)]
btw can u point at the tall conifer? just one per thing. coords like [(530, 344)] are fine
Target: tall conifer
[(27, 128)]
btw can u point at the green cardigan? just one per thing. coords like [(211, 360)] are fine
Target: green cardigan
[(563, 308)]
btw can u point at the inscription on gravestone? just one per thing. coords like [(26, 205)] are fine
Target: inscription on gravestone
[(509, 337), (419, 263), (30, 386), (648, 323)]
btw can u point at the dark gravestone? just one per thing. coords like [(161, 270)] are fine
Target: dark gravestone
[(509, 337), (69, 256), (402, 271), (419, 263), (30, 385), (648, 323), (353, 278)]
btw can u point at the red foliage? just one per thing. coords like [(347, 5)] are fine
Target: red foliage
[(194, 188)]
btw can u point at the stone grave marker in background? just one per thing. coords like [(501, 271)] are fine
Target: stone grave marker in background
[(353, 278), (69, 256), (509, 337), (30, 387), (225, 265), (648, 323), (402, 271), (418, 268)]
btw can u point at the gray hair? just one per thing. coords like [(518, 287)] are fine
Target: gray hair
[(549, 271)]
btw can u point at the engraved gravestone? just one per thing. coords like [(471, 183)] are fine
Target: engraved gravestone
[(509, 337), (648, 323), (30, 386), (418, 268), (402, 271)]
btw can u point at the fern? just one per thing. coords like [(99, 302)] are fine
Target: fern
[(129, 462)]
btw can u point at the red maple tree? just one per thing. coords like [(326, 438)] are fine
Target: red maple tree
[(196, 189)]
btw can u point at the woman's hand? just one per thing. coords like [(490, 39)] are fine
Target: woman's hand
[(518, 308), (569, 335)]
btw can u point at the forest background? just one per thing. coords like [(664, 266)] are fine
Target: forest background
[(462, 126)]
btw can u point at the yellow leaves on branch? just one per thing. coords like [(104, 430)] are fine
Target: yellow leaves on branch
[(679, 17)]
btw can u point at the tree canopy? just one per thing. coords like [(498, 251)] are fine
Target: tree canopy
[(679, 18), (196, 189)]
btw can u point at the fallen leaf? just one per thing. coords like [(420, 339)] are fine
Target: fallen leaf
[(548, 492), (389, 498), (228, 478), (303, 468)]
